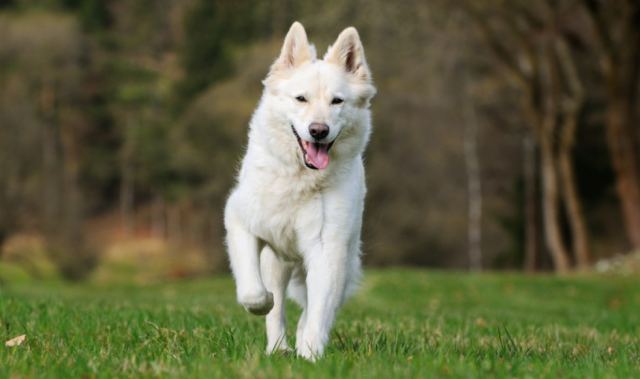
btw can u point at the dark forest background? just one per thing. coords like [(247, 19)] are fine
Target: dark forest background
[(505, 132)]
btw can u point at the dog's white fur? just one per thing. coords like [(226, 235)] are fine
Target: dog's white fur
[(289, 226)]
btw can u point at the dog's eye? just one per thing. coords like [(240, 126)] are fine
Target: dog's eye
[(301, 99), (336, 100)]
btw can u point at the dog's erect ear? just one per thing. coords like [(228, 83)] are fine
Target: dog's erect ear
[(348, 53), (295, 50)]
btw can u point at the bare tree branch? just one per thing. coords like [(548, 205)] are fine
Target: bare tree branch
[(602, 33), (570, 72)]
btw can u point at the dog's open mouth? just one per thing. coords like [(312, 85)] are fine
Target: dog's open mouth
[(314, 154)]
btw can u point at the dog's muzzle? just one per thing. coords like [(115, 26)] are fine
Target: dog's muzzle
[(314, 154)]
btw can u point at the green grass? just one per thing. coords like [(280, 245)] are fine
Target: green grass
[(403, 323)]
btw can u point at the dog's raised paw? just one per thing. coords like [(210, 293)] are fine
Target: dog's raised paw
[(259, 304)]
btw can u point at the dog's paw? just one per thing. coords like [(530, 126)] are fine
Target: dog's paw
[(309, 353), (259, 304), (281, 348)]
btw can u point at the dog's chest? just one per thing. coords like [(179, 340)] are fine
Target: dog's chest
[(276, 214)]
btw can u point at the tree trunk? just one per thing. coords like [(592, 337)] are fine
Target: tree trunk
[(549, 109), (158, 218), (620, 57), (550, 205), (127, 183), (573, 206), (51, 163), (3, 237), (531, 231), (623, 159), (474, 187)]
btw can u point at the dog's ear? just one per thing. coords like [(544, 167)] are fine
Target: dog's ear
[(348, 53), (295, 50)]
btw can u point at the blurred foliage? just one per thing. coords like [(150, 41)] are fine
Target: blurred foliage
[(136, 112)]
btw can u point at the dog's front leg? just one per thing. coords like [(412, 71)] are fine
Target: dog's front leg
[(245, 265), (326, 278)]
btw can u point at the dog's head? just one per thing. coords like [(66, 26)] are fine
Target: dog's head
[(320, 99)]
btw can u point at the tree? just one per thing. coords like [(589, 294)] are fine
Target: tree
[(474, 183), (212, 28), (47, 95), (539, 62), (616, 27)]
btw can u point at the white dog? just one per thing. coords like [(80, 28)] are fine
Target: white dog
[(293, 220)]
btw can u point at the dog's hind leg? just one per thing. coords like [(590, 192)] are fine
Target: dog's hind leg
[(297, 291), (245, 264), (275, 275)]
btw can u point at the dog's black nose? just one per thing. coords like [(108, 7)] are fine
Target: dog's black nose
[(318, 131)]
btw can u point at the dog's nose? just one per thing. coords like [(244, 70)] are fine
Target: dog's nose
[(318, 131)]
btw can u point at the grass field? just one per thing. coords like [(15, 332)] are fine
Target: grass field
[(403, 323)]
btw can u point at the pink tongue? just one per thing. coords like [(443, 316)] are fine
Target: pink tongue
[(318, 155)]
